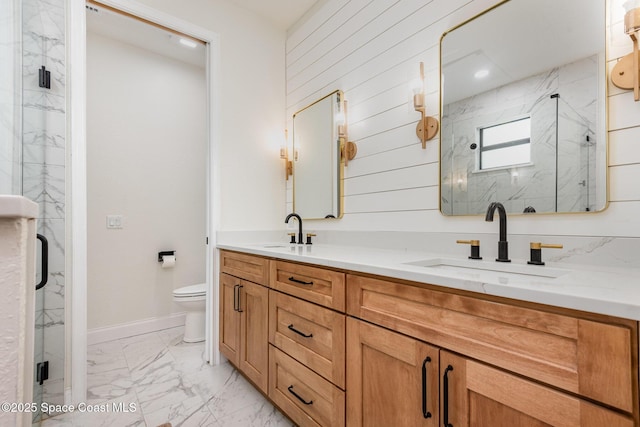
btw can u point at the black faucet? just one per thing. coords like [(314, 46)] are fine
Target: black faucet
[(295, 215), (503, 245)]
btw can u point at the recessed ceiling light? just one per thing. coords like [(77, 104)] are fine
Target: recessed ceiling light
[(188, 43), (480, 74)]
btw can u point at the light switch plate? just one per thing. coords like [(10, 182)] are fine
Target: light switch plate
[(114, 221)]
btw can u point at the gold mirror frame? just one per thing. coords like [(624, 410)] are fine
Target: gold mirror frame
[(333, 155)]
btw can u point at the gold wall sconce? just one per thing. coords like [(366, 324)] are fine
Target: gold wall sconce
[(284, 154), (625, 73), (348, 149), (428, 126)]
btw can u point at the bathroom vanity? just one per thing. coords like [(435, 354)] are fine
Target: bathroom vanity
[(362, 337)]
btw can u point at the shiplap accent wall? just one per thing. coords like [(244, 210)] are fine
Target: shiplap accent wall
[(371, 50)]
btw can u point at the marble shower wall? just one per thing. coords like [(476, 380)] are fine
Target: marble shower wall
[(466, 191), (43, 43)]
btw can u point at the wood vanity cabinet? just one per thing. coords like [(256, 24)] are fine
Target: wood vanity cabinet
[(395, 380), (414, 354), (307, 337), (498, 363), (244, 309)]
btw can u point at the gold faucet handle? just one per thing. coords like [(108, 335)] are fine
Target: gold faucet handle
[(293, 237), (469, 242), (309, 236), (475, 248), (536, 251), (538, 245)]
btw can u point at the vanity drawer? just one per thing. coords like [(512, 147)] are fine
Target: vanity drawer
[(311, 334), (596, 359), (318, 285), (248, 267), (306, 398)]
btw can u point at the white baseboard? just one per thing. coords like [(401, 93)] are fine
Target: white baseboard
[(125, 330)]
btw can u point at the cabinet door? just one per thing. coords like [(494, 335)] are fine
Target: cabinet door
[(229, 318), (392, 380), (477, 395), (254, 346)]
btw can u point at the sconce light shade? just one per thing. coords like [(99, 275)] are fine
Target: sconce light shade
[(626, 73), (284, 154), (427, 127), (348, 149)]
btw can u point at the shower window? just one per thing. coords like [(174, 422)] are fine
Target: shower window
[(505, 144)]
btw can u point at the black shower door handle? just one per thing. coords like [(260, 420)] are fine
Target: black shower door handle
[(44, 274)]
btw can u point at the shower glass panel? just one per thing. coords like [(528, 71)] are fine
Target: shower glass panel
[(30, 185), (576, 154), (43, 178)]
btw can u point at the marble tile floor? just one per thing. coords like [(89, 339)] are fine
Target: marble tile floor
[(166, 380)]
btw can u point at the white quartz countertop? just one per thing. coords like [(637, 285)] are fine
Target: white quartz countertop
[(603, 290)]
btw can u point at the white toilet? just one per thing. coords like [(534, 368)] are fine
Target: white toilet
[(192, 300)]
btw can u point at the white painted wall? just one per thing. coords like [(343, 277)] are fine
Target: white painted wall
[(251, 174), (146, 160), (371, 50)]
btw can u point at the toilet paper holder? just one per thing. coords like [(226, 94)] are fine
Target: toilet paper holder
[(162, 254)]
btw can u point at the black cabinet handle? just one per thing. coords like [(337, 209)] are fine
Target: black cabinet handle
[(425, 412), (44, 258), (302, 282), (235, 298), (446, 396), (290, 388), (239, 300), (298, 332)]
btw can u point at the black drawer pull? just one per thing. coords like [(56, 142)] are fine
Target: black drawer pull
[(302, 282), (446, 396), (425, 412), (298, 332), (290, 388)]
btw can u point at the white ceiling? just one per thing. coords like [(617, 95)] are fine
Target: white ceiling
[(283, 13), (520, 39)]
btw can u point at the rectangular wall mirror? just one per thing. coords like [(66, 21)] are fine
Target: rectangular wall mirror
[(523, 109), (317, 169)]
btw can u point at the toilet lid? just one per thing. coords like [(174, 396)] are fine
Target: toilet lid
[(193, 290)]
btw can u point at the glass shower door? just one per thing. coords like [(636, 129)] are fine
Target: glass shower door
[(43, 177)]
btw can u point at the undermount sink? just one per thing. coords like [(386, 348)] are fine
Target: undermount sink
[(467, 267)]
